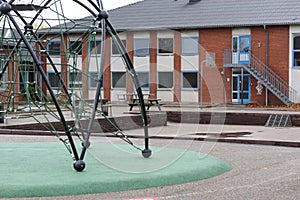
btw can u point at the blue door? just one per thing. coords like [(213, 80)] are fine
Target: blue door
[(244, 49), (244, 88)]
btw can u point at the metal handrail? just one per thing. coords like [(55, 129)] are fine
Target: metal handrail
[(266, 74)]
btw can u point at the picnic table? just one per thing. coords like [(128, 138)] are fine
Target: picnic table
[(148, 102)]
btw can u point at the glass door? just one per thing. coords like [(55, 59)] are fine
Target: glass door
[(244, 49), (243, 88)]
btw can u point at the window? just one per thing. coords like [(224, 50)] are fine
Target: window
[(189, 45), (143, 78), (75, 47), (118, 79), (115, 49), (93, 80), (54, 79), (165, 45), (53, 48), (75, 79), (141, 47), (165, 80), (234, 44), (189, 80), (94, 47), (296, 50)]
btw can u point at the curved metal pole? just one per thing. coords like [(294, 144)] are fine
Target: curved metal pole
[(135, 80), (36, 61), (98, 90)]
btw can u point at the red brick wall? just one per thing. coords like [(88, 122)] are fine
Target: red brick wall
[(215, 40), (278, 57), (177, 67), (153, 64), (107, 74)]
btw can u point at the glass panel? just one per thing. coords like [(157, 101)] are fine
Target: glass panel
[(118, 79), (296, 42), (234, 83), (53, 79), (234, 44), (244, 95), (235, 95), (165, 79), (95, 47), (75, 79), (114, 48), (190, 45), (53, 48), (245, 83), (165, 45), (75, 47), (296, 58), (93, 79), (190, 80), (244, 44), (143, 78), (141, 47)]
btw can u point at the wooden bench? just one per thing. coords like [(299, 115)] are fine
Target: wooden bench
[(147, 102)]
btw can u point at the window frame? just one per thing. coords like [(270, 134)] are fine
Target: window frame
[(158, 82), (294, 35), (195, 39), (124, 42), (90, 79), (79, 51), (182, 80), (144, 72), (49, 52), (58, 84), (135, 52), (158, 45), (112, 79), (98, 53)]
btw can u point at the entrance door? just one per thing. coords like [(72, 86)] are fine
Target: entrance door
[(241, 49), (241, 88), (244, 88)]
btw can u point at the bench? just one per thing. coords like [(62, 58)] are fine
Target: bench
[(147, 102)]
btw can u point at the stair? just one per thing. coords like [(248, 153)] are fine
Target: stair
[(279, 120), (271, 80)]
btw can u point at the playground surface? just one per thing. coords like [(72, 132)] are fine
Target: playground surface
[(265, 161)]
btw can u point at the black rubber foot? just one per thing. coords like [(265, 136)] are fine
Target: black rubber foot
[(79, 165), (146, 153)]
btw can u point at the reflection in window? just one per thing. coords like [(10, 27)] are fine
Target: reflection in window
[(244, 44), (141, 47), (54, 79), (143, 78), (93, 80), (118, 79), (53, 48), (165, 45), (95, 47), (234, 44), (189, 45), (75, 47), (114, 48), (189, 80)]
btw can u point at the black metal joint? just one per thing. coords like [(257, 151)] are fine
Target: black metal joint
[(28, 27), (102, 15)]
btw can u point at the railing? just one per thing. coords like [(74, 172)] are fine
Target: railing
[(265, 74)]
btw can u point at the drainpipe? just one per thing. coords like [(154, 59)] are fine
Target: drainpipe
[(267, 59)]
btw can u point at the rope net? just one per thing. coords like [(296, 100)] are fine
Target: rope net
[(69, 53)]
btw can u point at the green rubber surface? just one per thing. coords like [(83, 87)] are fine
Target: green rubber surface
[(46, 169)]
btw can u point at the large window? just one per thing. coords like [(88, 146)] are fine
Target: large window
[(53, 48), (95, 47), (165, 80), (114, 48), (118, 79), (143, 78), (75, 79), (189, 80), (189, 45), (165, 45), (296, 50), (54, 79), (75, 47), (141, 46)]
